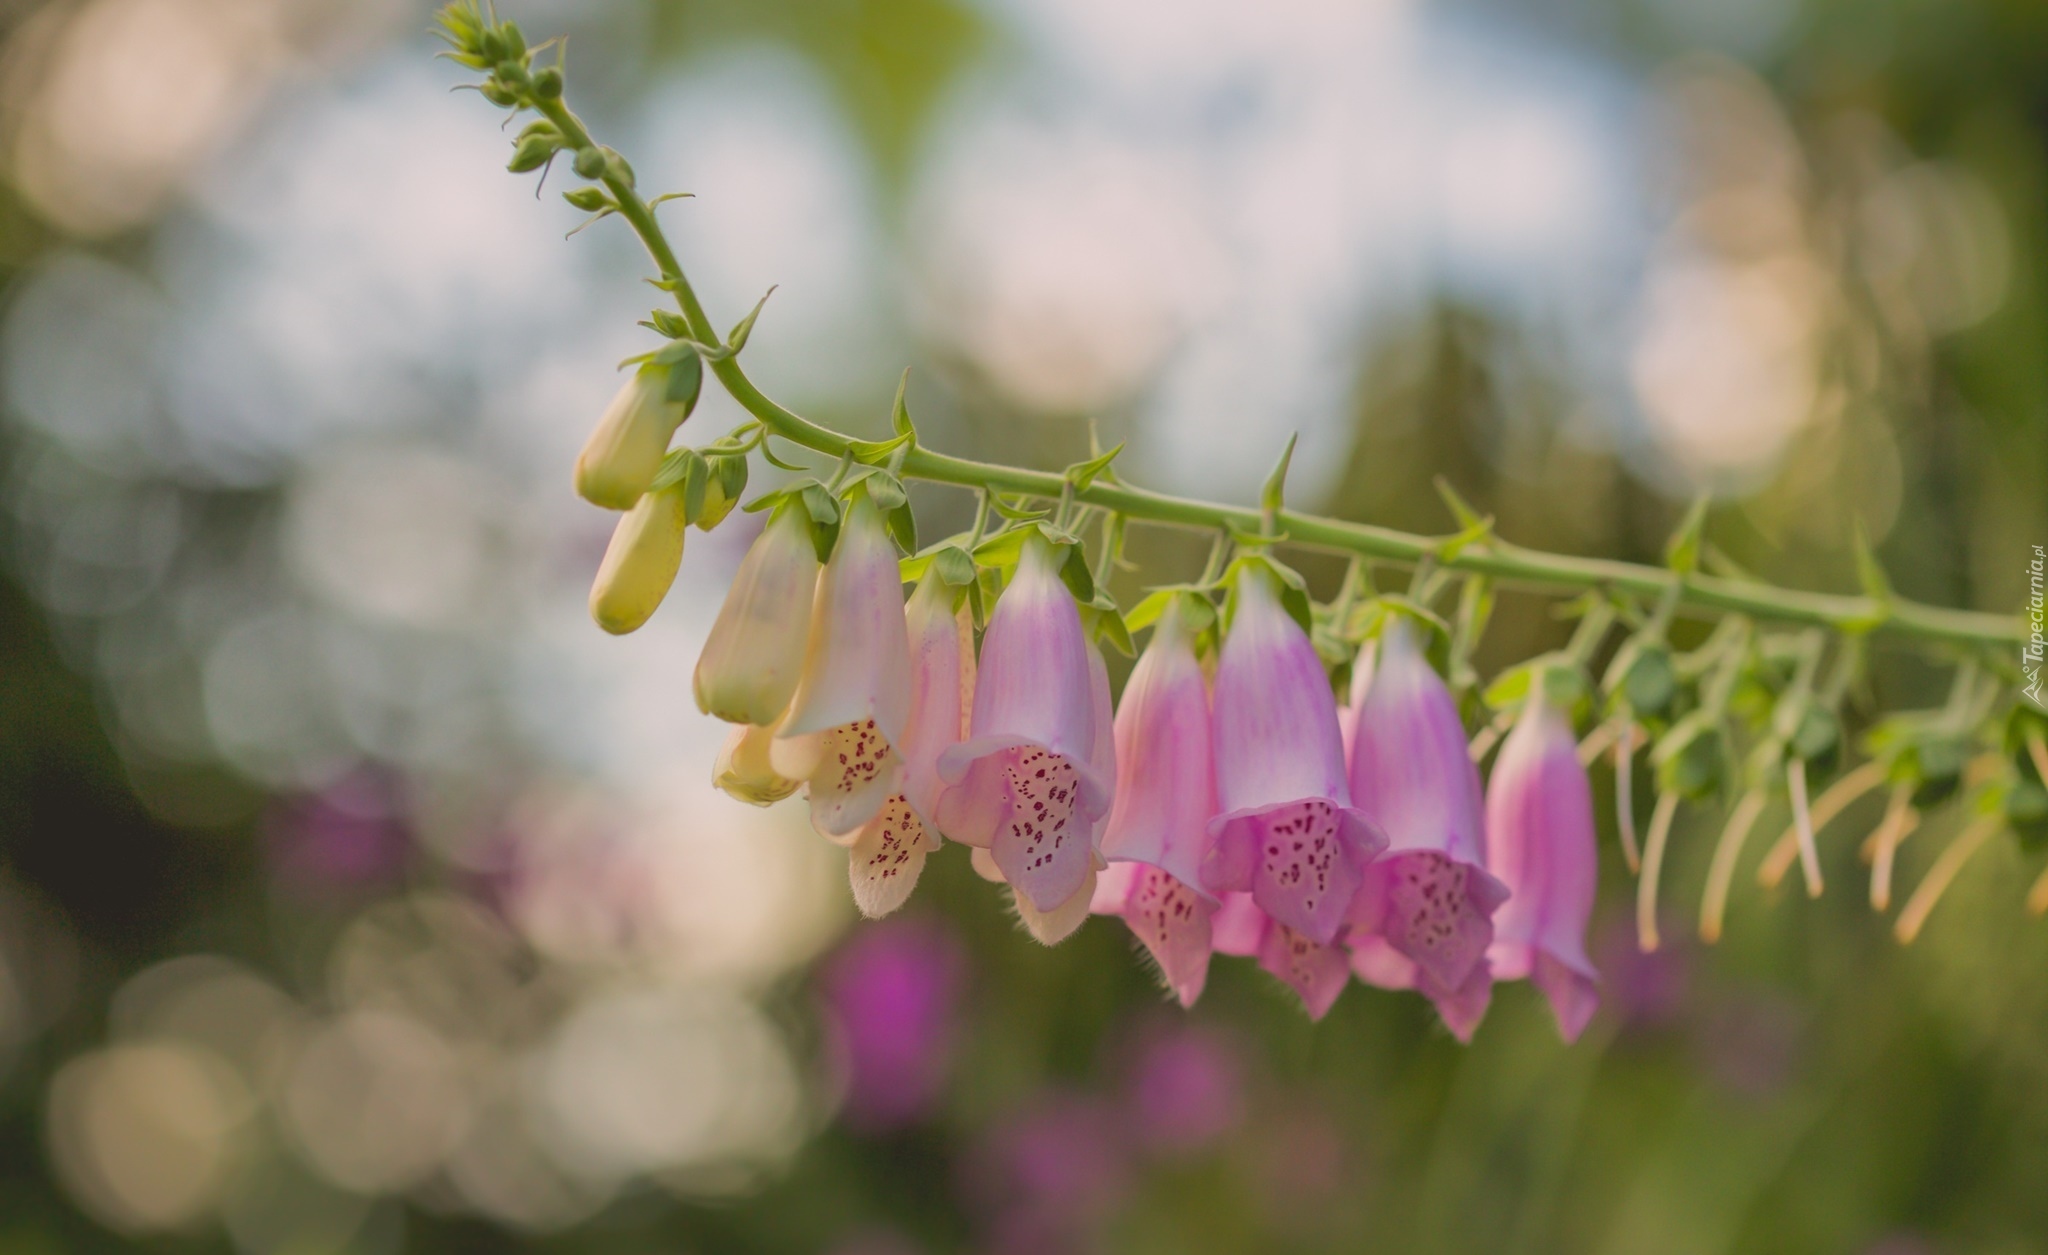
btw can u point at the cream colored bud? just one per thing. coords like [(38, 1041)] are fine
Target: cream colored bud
[(744, 772), (624, 452), (755, 653), (640, 563)]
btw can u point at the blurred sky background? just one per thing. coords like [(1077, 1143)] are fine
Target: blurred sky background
[(357, 894)]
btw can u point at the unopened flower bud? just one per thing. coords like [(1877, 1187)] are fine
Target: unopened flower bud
[(743, 769), (722, 488), (624, 452), (532, 153), (589, 162), (498, 94), (751, 662), (640, 563), (547, 82)]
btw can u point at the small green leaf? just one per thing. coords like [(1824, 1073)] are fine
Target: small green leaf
[(884, 489), (1083, 474), (1682, 551), (903, 526), (899, 414), (1460, 509), (737, 339), (1272, 495), (875, 452), (685, 383), (1105, 624), (1015, 513), (1150, 608), (1074, 573), (694, 484), (1002, 550), (823, 508), (1480, 531), (955, 566)]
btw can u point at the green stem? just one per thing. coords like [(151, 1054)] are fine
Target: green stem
[(1506, 563)]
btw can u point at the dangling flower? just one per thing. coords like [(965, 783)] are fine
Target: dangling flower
[(623, 454), (1539, 834), (1288, 832), (1052, 927), (888, 854), (851, 704), (1165, 797), (743, 770), (1428, 899), (640, 562), (1316, 973), (755, 653), (1025, 785)]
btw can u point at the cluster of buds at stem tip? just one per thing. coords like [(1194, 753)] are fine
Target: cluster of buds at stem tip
[(1227, 804)]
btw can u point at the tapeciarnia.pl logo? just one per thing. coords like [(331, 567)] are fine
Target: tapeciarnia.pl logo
[(2037, 622)]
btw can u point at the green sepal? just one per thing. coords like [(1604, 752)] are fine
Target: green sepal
[(1102, 623), (1682, 551), (736, 339), (685, 380), (899, 412), (1293, 589), (1479, 532), (1074, 573), (1082, 474), (875, 452), (1690, 759), (1015, 513), (729, 476)]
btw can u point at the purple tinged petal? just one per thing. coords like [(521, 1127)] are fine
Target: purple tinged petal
[(1290, 835), (941, 690), (1411, 771), (1238, 927), (1540, 842), (755, 653), (1276, 733), (1429, 895), (1165, 767), (1317, 972), (853, 700), (1052, 927), (1169, 916), (1034, 681), (857, 658), (1025, 784)]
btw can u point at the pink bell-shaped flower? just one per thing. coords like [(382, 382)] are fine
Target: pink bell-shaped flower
[(1539, 830), (1055, 926), (888, 853), (1317, 973), (1428, 896), (1288, 833), (755, 653), (1165, 797), (1024, 784), (853, 700)]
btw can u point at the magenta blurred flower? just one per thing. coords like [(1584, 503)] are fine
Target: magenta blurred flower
[(853, 699), (1288, 833), (1423, 917), (348, 836), (1539, 830), (1025, 785), (1186, 1090), (1166, 796), (1318, 973), (1046, 1178), (892, 994), (1644, 990)]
